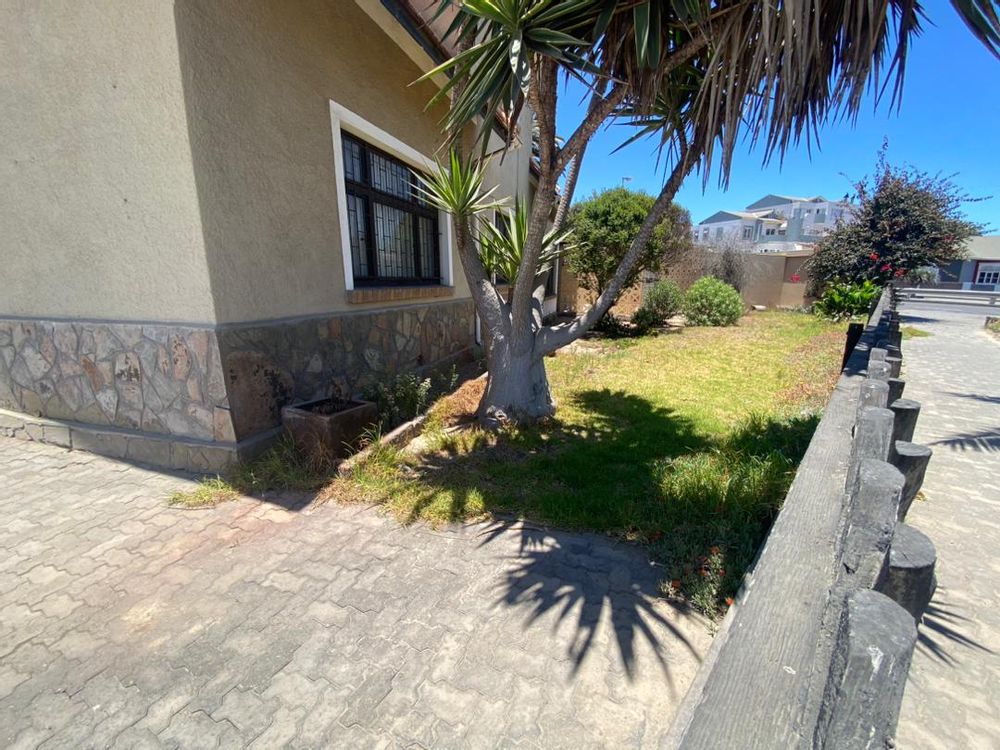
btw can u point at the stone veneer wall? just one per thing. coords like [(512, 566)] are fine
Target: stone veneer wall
[(159, 379), (219, 386), (270, 365)]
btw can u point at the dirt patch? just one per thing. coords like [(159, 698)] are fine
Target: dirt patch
[(818, 360), (459, 406)]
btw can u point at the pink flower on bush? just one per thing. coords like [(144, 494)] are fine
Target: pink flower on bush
[(886, 267)]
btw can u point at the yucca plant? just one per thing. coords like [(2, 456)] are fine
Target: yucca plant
[(501, 248), (693, 75)]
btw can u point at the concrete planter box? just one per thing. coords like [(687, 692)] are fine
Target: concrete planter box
[(324, 433)]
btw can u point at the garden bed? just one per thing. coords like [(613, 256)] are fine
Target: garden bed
[(684, 443)]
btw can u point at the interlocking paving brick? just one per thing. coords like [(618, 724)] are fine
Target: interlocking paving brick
[(126, 623), (952, 697)]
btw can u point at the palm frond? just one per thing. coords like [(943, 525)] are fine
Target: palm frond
[(458, 187), (501, 248), (983, 19)]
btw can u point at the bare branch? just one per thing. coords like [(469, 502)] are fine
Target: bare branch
[(489, 304), (597, 113), (573, 173)]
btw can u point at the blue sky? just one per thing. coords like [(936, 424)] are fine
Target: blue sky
[(949, 122)]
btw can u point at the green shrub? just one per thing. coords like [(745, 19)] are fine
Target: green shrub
[(609, 325), (843, 300), (663, 300), (644, 320), (400, 398), (710, 302)]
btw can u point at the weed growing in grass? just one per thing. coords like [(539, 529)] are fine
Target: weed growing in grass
[(208, 493), (909, 332), (718, 505), (280, 468)]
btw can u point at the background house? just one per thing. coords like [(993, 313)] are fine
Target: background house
[(979, 271), (209, 213), (774, 224)]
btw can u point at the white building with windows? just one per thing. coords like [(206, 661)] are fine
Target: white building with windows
[(775, 224)]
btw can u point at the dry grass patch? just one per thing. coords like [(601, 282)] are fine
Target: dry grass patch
[(207, 494)]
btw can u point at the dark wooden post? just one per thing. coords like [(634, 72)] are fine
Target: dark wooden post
[(910, 580), (911, 459), (871, 440), (896, 387), (906, 413), (854, 331)]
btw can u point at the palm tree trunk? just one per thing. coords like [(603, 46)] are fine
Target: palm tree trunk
[(517, 388)]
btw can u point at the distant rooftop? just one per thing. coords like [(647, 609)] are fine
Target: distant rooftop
[(763, 207), (984, 247)]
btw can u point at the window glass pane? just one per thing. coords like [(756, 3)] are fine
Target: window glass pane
[(357, 220), (394, 243), (352, 160), (989, 273), (390, 176), (429, 260)]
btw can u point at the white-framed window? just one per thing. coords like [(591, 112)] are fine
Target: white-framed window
[(748, 232), (389, 236), (704, 233), (718, 233), (988, 273), (821, 216)]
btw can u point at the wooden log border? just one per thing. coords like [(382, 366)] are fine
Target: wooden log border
[(779, 672)]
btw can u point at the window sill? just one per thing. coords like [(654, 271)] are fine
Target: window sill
[(368, 294)]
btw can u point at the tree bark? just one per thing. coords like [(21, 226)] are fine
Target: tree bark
[(517, 389)]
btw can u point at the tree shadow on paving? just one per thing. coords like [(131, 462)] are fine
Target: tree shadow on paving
[(584, 580), (612, 470), (982, 441), (939, 627), (976, 397)]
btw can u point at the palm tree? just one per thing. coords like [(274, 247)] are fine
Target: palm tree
[(695, 74)]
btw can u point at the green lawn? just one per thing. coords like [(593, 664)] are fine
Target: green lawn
[(685, 442)]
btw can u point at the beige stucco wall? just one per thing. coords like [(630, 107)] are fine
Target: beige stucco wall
[(258, 79), (174, 161), (770, 281), (99, 213)]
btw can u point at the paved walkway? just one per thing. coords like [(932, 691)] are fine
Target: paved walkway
[(125, 623), (952, 698)]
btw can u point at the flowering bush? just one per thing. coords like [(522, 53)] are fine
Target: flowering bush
[(905, 220)]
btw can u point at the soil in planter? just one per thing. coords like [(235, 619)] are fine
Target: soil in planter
[(330, 406)]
